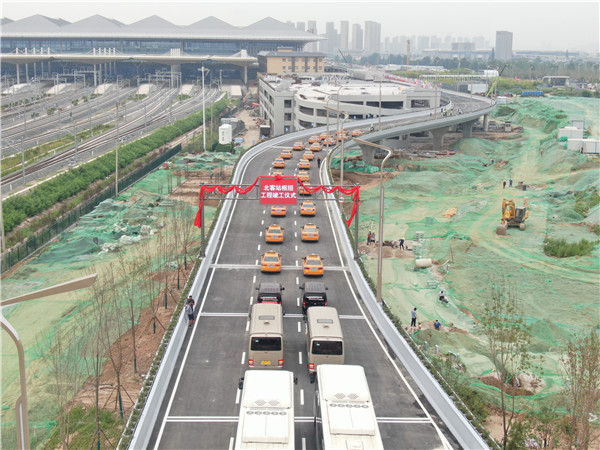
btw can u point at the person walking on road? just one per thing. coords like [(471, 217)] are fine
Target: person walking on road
[(318, 162), (189, 309), (413, 318), (510, 183), (504, 184)]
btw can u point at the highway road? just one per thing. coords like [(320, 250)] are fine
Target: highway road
[(201, 406)]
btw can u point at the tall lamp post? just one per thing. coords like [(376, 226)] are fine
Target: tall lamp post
[(343, 122), (381, 209), (22, 416)]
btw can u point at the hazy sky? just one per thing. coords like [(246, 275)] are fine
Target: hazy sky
[(536, 25)]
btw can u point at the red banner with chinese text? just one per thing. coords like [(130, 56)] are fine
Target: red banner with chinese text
[(278, 190)]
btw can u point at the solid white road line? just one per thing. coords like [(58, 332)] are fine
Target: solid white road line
[(231, 441)]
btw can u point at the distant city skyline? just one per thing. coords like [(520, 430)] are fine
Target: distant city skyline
[(535, 25)]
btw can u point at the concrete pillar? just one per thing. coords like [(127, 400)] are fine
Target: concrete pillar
[(486, 122), (26, 73), (18, 74), (438, 137), (245, 74), (467, 128), (95, 75), (34, 70)]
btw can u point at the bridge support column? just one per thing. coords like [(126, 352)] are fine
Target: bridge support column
[(438, 137), (245, 74), (175, 68), (26, 73), (467, 128), (18, 74), (486, 122), (95, 75)]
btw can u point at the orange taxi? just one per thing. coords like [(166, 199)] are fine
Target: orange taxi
[(298, 145), (329, 142), (313, 139), (312, 265), (308, 155), (304, 164), (274, 233), (323, 136), (302, 189), (310, 232), (277, 172), (270, 262), (286, 153), (357, 133), (278, 210), (316, 147), (303, 176), (279, 163), (308, 208)]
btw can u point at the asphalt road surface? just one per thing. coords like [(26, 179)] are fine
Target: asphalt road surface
[(201, 406)]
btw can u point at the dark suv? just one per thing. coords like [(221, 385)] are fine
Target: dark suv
[(269, 293), (314, 295)]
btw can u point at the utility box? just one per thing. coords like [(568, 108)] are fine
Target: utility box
[(591, 147), (578, 123), (225, 134)]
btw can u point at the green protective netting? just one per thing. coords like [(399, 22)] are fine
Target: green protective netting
[(559, 297), (136, 217)]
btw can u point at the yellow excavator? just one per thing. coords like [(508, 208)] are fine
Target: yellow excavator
[(513, 216)]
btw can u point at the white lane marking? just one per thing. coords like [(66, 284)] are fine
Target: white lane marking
[(296, 266), (300, 358), (262, 222), (258, 247), (260, 234), (294, 212), (237, 396), (243, 358), (296, 248), (264, 211), (299, 328), (254, 279), (295, 223), (247, 325), (383, 348), (231, 441), (295, 234), (297, 280), (251, 299), (303, 443), (225, 314), (256, 263), (297, 301), (209, 419), (301, 396)]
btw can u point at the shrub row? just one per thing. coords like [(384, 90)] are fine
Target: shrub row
[(560, 248), (19, 207)]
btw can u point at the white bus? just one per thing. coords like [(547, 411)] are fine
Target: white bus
[(265, 349), (267, 411), (344, 413), (324, 338)]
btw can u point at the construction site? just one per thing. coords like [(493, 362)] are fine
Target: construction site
[(446, 207)]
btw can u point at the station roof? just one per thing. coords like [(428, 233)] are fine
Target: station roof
[(153, 27)]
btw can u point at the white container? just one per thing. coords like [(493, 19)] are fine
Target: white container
[(591, 147), (225, 134), (570, 132)]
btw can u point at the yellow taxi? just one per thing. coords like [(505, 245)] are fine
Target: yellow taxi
[(304, 164), (303, 176), (278, 210), (312, 265), (316, 147), (270, 262), (330, 142), (302, 189), (308, 154), (286, 153), (298, 145), (279, 163), (277, 172), (313, 139), (357, 133), (342, 136), (308, 208), (274, 233), (323, 136), (310, 232)]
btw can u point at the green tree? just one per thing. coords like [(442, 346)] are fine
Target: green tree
[(508, 340), (581, 363)]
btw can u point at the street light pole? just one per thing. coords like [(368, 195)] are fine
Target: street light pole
[(203, 114), (21, 411), (362, 142), (379, 124), (343, 121), (117, 156)]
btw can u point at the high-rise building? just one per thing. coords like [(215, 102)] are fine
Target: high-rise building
[(311, 27), (332, 44), (344, 29), (504, 45), (372, 36), (357, 37), (300, 26)]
